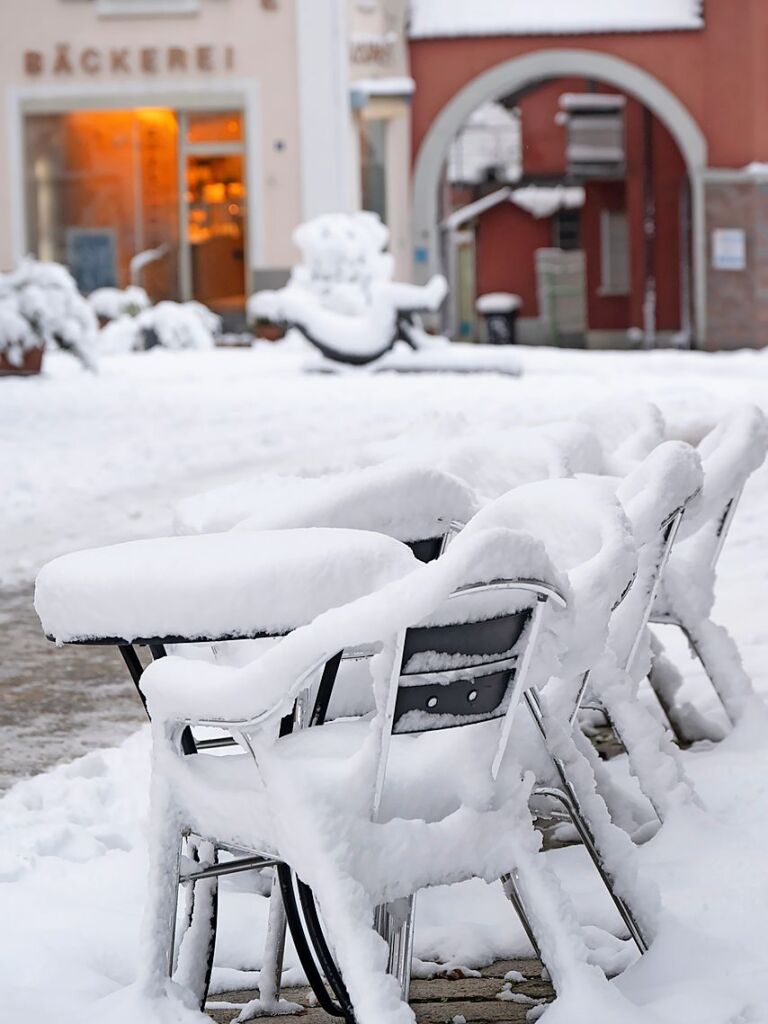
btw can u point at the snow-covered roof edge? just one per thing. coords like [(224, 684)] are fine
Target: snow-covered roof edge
[(454, 18)]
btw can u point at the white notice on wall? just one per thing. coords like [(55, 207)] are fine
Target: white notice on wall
[(729, 249)]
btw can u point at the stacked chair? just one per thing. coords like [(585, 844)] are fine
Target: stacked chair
[(435, 630)]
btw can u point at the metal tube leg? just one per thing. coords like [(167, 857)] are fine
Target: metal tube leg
[(197, 934), (512, 893), (733, 692), (274, 949), (401, 921), (570, 803), (567, 796)]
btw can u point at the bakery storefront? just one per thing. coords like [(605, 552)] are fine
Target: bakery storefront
[(152, 142), (156, 193)]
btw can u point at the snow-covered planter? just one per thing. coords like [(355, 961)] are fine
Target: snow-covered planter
[(21, 349), (175, 325), (342, 297), (46, 296), (112, 303), (267, 330)]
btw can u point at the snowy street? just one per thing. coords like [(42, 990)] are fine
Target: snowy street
[(89, 459)]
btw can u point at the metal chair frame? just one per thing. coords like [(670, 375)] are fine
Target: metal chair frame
[(667, 617), (394, 923), (285, 909)]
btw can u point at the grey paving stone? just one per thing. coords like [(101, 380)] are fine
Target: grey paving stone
[(434, 1001)]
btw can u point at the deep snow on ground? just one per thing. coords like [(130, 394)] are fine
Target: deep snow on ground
[(92, 459)]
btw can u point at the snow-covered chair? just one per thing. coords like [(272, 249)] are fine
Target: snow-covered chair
[(412, 502), (656, 497), (730, 453), (171, 592), (627, 431), (368, 812), (586, 532)]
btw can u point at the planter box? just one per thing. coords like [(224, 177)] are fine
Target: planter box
[(268, 331), (33, 361)]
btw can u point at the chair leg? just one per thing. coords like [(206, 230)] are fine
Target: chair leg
[(198, 939), (512, 892), (159, 925), (688, 725), (585, 835), (719, 656), (270, 976), (653, 759), (302, 944), (395, 923), (608, 845)]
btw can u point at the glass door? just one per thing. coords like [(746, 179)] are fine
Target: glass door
[(214, 213)]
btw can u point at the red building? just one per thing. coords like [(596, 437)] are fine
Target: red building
[(639, 208)]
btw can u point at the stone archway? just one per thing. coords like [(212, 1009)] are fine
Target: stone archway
[(514, 74)]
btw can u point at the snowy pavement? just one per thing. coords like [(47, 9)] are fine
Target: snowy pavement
[(86, 460)]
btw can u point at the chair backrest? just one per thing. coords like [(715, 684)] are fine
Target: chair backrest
[(428, 549), (730, 453), (457, 674), (464, 672), (655, 497)]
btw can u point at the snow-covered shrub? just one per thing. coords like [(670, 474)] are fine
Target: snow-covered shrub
[(111, 303), (47, 297), (342, 297), (16, 334), (210, 320), (175, 325)]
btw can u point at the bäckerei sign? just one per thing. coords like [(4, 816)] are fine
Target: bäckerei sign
[(121, 60)]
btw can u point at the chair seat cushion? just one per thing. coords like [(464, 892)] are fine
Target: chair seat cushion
[(221, 794), (213, 586)]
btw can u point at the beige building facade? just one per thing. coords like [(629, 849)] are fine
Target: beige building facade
[(199, 133)]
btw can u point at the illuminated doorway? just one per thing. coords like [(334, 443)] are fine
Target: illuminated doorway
[(213, 232), (104, 186)]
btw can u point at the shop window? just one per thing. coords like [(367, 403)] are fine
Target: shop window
[(373, 166), (101, 187), (214, 126), (614, 253)]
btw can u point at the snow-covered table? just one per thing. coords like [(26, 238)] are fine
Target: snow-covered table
[(210, 588)]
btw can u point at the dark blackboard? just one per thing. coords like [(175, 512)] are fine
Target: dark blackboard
[(92, 257)]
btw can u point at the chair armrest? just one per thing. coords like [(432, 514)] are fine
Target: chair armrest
[(184, 692)]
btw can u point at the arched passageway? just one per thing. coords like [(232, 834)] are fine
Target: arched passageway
[(520, 72)]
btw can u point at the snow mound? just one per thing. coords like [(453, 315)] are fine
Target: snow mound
[(407, 502), (211, 586)]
